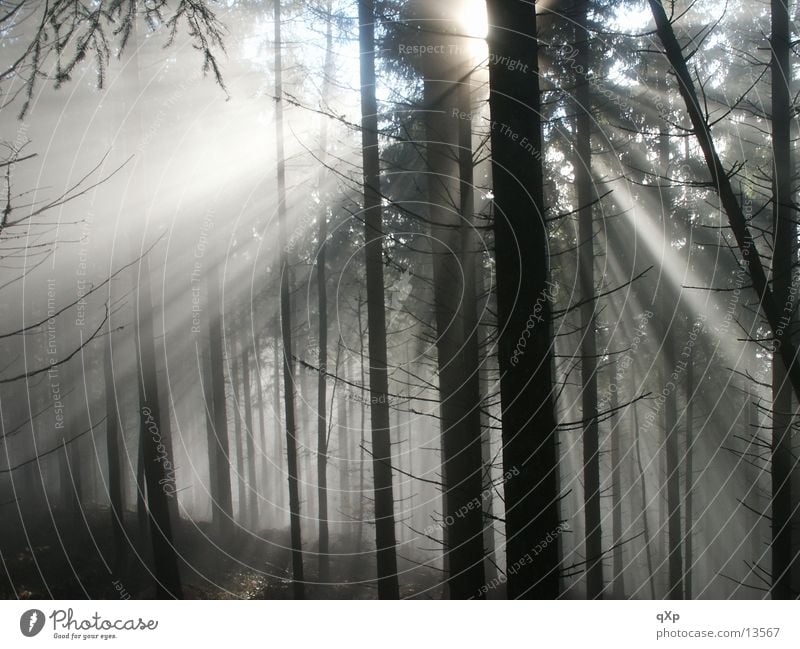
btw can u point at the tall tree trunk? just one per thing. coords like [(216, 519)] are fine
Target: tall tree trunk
[(117, 508), (342, 436), (585, 197), (211, 437), (263, 482), (675, 537), (237, 433), (449, 157), (388, 587), (363, 427), (618, 579), (643, 482), (276, 404), (688, 556), (785, 232), (222, 496), (668, 304), (251, 482), (322, 301), (522, 262), (286, 325), (160, 484)]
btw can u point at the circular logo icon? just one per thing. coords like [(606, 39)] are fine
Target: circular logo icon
[(31, 622)]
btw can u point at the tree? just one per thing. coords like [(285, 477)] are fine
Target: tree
[(448, 180), (219, 453), (388, 587), (322, 302), (586, 235), (784, 246), (286, 325), (523, 300), (769, 298)]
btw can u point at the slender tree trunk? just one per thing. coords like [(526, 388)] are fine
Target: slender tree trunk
[(251, 482), (361, 478), (141, 485), (211, 437), (286, 325), (343, 434), (689, 480), (675, 537), (448, 157), (585, 198), (322, 297), (117, 508), (756, 539), (160, 484), (523, 289), (263, 482), (618, 578), (388, 587), (237, 433), (785, 233), (219, 452), (276, 404), (643, 483)]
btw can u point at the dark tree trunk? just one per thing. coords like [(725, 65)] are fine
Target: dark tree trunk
[(643, 482), (276, 404), (618, 578), (585, 198), (388, 587), (263, 483), (237, 434), (688, 556), (251, 482), (160, 483), (211, 436), (454, 280), (343, 434), (785, 232), (117, 507), (322, 301), (286, 325), (219, 452), (363, 427), (522, 263), (674, 535)]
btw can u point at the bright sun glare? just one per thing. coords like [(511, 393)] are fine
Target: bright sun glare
[(474, 19)]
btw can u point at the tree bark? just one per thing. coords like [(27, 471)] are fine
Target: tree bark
[(585, 198), (688, 555), (388, 587), (117, 507), (642, 481), (219, 453), (785, 233), (522, 263), (263, 482), (449, 170), (322, 302), (286, 325), (160, 484), (237, 433), (618, 579), (251, 483)]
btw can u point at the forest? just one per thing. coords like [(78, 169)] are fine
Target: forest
[(399, 299)]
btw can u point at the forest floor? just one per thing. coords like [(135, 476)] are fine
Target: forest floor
[(55, 558)]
